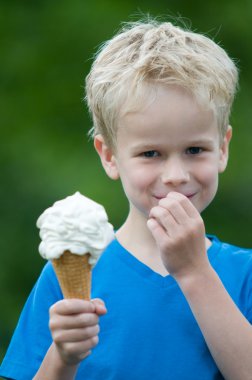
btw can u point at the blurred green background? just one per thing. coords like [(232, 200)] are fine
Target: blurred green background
[(46, 52)]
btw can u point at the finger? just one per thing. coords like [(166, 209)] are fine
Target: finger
[(98, 301), (165, 219), (175, 208), (187, 205), (75, 335), (80, 350), (74, 321), (158, 232), (72, 306), (100, 307)]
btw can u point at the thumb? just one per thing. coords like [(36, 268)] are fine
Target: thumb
[(100, 307)]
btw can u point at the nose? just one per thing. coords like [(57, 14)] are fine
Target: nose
[(175, 172)]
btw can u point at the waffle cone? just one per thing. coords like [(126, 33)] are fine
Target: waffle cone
[(74, 275)]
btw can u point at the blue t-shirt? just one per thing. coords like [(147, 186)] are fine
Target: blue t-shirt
[(149, 331)]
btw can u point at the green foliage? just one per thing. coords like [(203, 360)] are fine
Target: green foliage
[(46, 52)]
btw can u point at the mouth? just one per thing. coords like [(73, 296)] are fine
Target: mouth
[(187, 195), (190, 196), (158, 197)]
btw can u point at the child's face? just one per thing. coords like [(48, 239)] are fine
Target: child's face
[(173, 144)]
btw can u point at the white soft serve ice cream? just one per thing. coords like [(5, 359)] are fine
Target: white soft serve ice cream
[(76, 224)]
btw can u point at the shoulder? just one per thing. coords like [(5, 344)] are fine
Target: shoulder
[(232, 263), (46, 290), (48, 275), (228, 251)]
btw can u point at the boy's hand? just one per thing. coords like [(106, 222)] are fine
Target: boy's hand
[(74, 327), (180, 235)]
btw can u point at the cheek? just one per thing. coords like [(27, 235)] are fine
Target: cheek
[(209, 180), (137, 179), (208, 174)]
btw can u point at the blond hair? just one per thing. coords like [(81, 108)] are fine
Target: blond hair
[(150, 53)]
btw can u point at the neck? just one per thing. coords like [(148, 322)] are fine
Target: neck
[(135, 233), (135, 236)]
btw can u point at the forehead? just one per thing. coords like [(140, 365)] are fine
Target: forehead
[(167, 110)]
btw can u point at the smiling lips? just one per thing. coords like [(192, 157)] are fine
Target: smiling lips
[(188, 195)]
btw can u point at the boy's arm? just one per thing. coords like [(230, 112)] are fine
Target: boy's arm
[(180, 234), (74, 327), (54, 368), (227, 332)]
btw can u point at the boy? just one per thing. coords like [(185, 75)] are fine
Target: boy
[(178, 302)]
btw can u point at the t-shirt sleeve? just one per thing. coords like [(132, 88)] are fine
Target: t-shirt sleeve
[(246, 291), (249, 313), (32, 337)]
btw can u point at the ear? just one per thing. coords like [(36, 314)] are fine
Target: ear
[(107, 157), (224, 150)]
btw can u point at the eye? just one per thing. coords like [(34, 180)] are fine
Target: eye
[(150, 154), (194, 150)]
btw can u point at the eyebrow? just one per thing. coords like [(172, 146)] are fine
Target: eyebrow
[(149, 146), (202, 141), (152, 145)]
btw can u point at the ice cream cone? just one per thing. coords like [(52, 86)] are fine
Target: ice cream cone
[(74, 275), (74, 232)]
